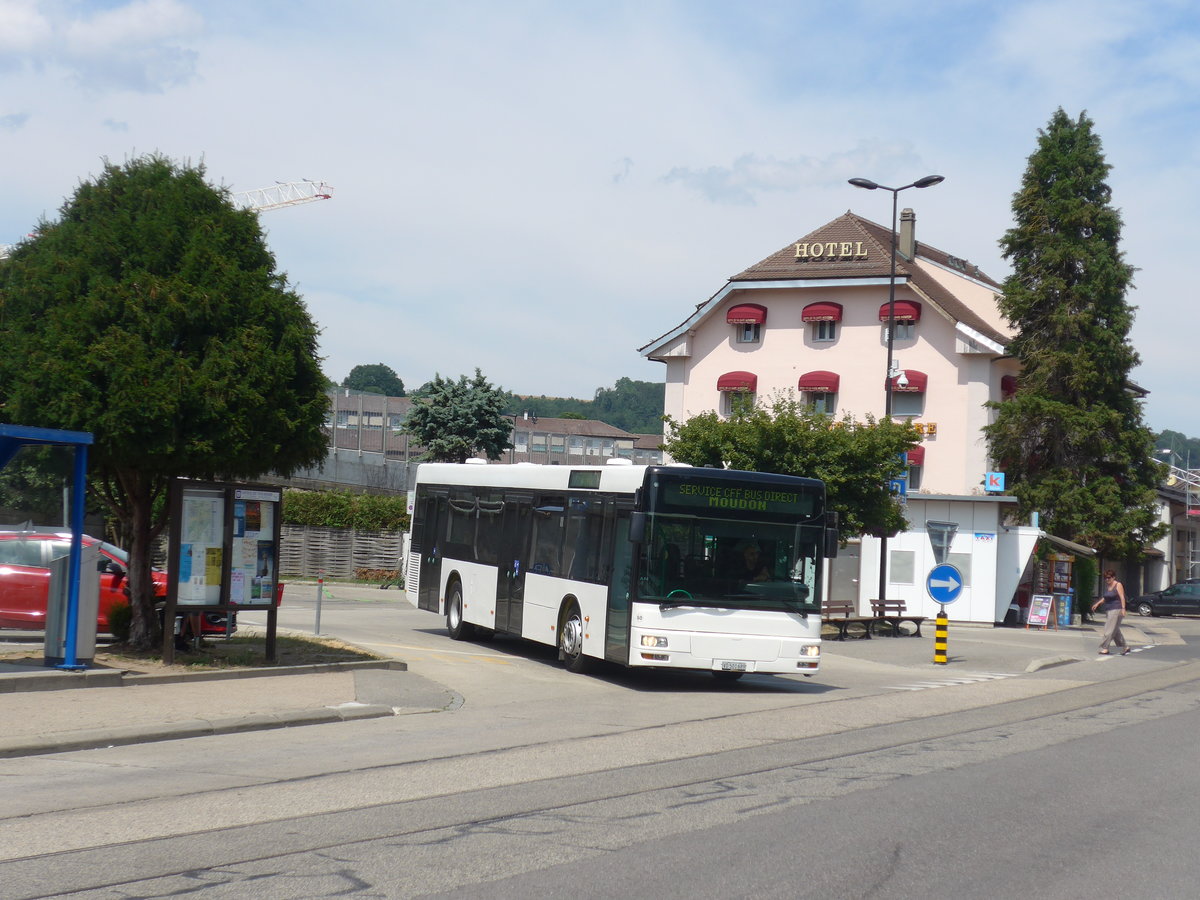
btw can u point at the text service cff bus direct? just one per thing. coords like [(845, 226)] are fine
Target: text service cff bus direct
[(657, 566)]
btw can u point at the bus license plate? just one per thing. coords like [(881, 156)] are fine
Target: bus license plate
[(730, 665)]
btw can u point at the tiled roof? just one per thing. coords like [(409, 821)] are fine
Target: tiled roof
[(584, 427), (869, 257), (876, 241)]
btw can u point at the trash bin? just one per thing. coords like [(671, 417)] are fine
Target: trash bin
[(55, 649)]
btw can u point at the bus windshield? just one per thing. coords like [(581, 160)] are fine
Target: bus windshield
[(734, 563)]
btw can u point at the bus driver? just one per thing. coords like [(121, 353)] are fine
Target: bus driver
[(754, 567)]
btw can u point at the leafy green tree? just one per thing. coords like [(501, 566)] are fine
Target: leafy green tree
[(636, 406), (855, 460), (375, 379), (31, 485), (1071, 440), (456, 419), (150, 313), (548, 407), (1178, 449)]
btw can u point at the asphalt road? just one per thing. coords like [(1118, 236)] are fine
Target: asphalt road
[(547, 784)]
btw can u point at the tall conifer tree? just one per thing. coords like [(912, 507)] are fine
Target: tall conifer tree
[(1071, 440)]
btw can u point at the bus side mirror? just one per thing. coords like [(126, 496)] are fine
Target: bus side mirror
[(832, 535), (637, 527)]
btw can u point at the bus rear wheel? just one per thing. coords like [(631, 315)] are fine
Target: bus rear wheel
[(570, 639), (455, 626)]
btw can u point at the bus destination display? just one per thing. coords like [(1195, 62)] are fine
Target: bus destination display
[(696, 495)]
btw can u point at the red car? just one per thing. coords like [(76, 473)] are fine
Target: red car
[(25, 577)]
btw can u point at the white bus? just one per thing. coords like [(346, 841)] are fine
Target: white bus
[(659, 566)]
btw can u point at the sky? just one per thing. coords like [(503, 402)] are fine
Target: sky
[(536, 189)]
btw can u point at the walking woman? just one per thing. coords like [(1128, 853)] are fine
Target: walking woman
[(1112, 598)]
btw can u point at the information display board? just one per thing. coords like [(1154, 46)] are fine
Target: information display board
[(252, 571), (224, 552), (1041, 610)]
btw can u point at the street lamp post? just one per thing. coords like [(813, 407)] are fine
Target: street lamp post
[(867, 184)]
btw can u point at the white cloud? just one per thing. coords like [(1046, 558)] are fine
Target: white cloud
[(135, 45), (538, 188)]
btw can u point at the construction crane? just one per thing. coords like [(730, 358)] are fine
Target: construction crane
[(282, 193)]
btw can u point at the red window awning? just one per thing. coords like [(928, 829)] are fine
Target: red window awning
[(819, 382), (738, 381), (746, 314), (822, 312), (1008, 385), (916, 456), (906, 311), (916, 382)]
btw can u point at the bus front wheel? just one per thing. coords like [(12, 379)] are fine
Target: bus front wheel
[(570, 639), (455, 626)]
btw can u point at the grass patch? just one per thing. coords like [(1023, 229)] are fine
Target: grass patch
[(242, 651), (251, 651)]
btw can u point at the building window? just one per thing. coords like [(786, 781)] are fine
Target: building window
[(824, 331), (914, 477), (821, 401), (905, 331), (732, 401), (901, 566), (907, 403), (748, 333)]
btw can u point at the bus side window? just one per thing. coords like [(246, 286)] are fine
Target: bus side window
[(581, 550), (490, 527), (460, 529), (548, 522)]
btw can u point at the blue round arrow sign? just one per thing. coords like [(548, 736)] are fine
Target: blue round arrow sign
[(944, 583)]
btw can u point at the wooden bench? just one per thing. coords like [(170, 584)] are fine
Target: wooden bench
[(892, 613), (843, 615)]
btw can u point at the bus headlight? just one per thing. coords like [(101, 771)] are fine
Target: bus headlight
[(653, 640), (810, 650)]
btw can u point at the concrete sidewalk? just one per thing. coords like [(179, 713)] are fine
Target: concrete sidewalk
[(46, 710)]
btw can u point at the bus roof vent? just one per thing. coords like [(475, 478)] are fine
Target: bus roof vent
[(618, 461), (476, 461)]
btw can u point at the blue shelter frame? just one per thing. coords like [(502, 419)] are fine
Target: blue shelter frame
[(12, 439)]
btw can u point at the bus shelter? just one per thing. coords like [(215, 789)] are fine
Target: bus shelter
[(12, 439)]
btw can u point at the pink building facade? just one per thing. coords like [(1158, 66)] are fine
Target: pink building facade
[(810, 322)]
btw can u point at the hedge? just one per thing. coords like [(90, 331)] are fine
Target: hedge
[(341, 509)]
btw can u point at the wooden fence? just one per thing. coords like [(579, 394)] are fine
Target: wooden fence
[(338, 552)]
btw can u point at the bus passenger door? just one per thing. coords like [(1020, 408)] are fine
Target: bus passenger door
[(514, 554), (620, 589), (430, 512)]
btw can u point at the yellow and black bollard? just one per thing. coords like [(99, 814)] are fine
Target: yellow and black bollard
[(940, 633)]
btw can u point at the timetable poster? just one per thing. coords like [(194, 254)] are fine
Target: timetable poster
[(253, 564), (201, 532)]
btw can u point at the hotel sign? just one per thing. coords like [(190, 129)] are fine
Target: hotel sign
[(831, 250)]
